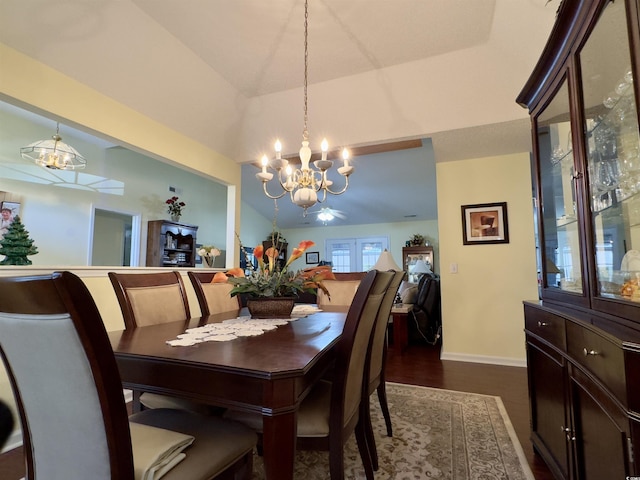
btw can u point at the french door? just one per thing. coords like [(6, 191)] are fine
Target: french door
[(354, 254)]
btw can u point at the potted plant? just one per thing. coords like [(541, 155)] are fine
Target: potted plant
[(273, 289), (417, 240), (174, 208), (209, 254)]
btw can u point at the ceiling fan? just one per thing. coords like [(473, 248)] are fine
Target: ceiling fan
[(326, 214)]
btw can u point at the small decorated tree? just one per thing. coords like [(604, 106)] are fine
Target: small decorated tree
[(16, 245)]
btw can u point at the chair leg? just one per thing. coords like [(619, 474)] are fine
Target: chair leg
[(363, 448), (382, 398), (336, 461), (136, 406), (365, 419)]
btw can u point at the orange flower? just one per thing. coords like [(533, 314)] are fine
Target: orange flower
[(271, 254), (219, 277), (258, 252), (236, 272), (299, 250)]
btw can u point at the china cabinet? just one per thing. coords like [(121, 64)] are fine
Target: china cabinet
[(171, 244), (410, 255), (583, 334)]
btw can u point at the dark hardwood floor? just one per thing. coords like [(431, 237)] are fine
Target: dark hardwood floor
[(421, 365)]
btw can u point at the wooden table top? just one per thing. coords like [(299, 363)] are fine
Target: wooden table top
[(285, 351)]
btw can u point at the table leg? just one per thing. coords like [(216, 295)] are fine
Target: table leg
[(400, 331), (279, 445)]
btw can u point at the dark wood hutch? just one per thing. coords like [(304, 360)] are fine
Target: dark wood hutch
[(583, 334)]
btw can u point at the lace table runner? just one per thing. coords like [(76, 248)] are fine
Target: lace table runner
[(237, 327)]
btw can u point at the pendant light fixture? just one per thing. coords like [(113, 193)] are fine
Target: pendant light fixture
[(54, 153), (303, 184)]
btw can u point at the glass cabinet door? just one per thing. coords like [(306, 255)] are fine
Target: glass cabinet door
[(613, 155), (560, 235)]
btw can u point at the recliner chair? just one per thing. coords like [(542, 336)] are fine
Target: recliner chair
[(426, 313)]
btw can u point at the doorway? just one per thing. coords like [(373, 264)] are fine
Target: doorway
[(115, 239)]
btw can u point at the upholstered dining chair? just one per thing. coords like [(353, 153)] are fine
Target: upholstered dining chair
[(377, 360), (330, 413), (150, 299), (341, 290), (213, 297), (69, 397)]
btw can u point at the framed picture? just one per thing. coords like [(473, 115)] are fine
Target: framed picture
[(485, 223), (313, 257), (14, 208), (9, 211)]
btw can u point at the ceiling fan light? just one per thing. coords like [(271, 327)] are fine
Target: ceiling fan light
[(325, 216)]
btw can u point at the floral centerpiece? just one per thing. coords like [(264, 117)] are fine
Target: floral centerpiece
[(175, 207), (269, 281), (209, 254)]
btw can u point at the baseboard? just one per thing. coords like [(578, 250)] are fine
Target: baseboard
[(15, 439), (464, 357)]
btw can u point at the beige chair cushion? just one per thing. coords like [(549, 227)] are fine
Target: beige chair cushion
[(217, 443), (157, 304), (156, 450), (218, 298), (342, 293)]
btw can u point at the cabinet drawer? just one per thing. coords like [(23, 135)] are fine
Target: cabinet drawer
[(600, 356), (545, 325)]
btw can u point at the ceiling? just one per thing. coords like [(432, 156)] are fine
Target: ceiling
[(164, 57)]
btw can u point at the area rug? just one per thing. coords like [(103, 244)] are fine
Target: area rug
[(436, 434)]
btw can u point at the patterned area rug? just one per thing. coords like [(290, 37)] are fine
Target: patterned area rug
[(436, 434)]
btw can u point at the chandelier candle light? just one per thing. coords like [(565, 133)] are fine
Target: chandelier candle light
[(304, 183)]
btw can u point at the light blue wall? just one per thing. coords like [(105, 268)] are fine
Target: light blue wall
[(56, 206)]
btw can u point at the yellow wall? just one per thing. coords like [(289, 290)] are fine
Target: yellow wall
[(482, 309)]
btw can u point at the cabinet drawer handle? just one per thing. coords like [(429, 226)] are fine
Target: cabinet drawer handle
[(543, 324), (589, 352)]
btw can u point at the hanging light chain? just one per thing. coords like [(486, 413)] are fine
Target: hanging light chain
[(305, 132)]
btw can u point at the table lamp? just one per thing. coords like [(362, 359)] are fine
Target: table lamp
[(386, 262), (421, 267)]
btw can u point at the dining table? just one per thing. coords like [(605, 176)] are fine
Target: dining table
[(269, 374)]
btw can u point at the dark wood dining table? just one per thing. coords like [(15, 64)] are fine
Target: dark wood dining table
[(269, 374)]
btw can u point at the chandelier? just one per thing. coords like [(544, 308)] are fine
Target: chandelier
[(54, 153), (303, 184)]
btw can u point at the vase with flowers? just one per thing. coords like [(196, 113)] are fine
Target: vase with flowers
[(209, 254), (272, 289), (174, 208)]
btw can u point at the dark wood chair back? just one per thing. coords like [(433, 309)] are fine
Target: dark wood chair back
[(150, 298), (213, 297), (348, 379), (54, 345), (378, 341)]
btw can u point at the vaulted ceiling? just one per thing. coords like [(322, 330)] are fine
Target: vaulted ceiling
[(229, 74)]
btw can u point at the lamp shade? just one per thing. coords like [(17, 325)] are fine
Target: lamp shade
[(385, 262), (421, 267)]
